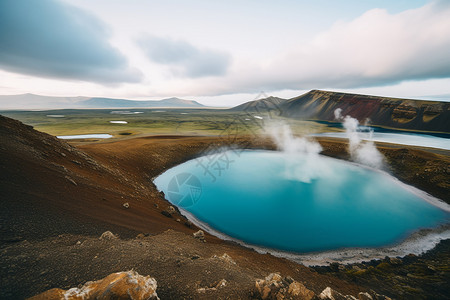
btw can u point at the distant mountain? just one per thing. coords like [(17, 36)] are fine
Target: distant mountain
[(269, 103), (383, 111), (31, 101), (116, 103)]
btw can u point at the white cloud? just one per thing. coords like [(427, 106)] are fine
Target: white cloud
[(376, 48), (56, 40), (185, 59), (377, 52)]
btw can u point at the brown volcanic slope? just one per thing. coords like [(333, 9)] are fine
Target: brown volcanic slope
[(382, 111), (57, 199), (42, 177), (54, 195)]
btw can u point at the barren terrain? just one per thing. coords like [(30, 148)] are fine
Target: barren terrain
[(58, 199)]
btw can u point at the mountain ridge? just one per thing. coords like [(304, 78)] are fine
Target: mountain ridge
[(33, 101), (383, 111), (268, 103), (398, 113)]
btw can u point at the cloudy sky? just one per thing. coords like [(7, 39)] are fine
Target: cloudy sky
[(224, 52)]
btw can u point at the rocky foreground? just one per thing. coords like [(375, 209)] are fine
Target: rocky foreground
[(58, 201), (190, 265)]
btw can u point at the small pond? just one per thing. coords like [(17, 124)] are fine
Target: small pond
[(85, 136)]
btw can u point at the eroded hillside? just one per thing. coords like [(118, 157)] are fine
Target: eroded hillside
[(390, 112)]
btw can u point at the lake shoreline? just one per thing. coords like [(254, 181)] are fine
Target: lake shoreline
[(415, 242)]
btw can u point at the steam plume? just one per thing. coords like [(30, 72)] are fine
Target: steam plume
[(363, 152), (302, 160)]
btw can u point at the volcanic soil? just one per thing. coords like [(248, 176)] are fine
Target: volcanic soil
[(57, 199)]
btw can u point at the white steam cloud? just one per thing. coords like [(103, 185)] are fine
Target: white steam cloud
[(287, 142), (301, 155), (338, 113), (363, 152)]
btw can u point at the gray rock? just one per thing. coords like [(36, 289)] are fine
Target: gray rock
[(71, 180), (275, 287), (226, 258), (330, 294), (298, 291), (199, 235), (122, 285), (171, 210), (395, 261), (364, 296), (108, 235)]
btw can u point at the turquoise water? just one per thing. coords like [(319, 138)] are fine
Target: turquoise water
[(85, 136), (421, 140), (299, 203)]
